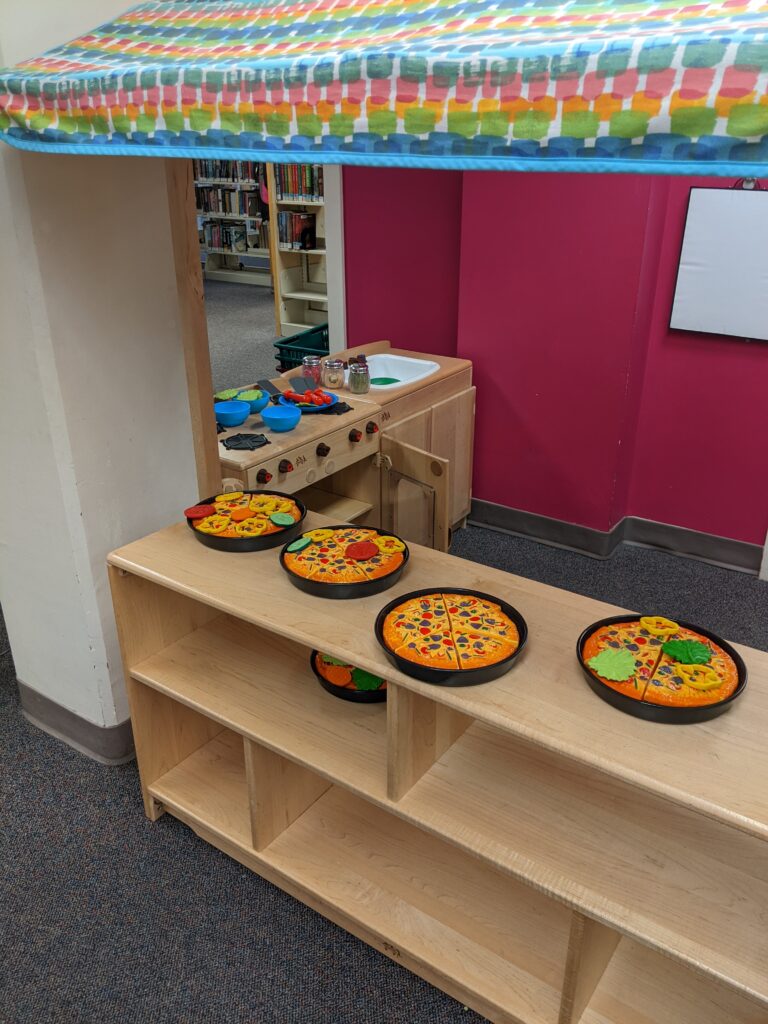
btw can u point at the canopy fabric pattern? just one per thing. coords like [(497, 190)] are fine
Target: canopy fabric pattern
[(507, 84)]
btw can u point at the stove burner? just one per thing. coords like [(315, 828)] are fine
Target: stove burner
[(245, 442)]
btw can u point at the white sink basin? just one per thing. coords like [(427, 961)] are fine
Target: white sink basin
[(402, 369)]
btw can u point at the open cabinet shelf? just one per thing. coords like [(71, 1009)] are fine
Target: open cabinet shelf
[(535, 886)]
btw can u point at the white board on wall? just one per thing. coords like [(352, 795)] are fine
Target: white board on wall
[(722, 280)]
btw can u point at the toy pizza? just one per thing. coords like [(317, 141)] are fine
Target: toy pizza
[(347, 681), (451, 631), (656, 661), (237, 514), (358, 556)]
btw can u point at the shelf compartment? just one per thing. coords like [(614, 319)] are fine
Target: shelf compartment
[(699, 888), (488, 941), (261, 686), (336, 506), (209, 788), (642, 987), (305, 295)]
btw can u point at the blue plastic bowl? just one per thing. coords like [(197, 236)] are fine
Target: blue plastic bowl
[(258, 403), (231, 414), (280, 418)]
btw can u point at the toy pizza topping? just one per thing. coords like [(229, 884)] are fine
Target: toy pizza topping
[(241, 513), (212, 524), (300, 544), (612, 664), (319, 535), (659, 626), (253, 527), (229, 496), (199, 511), (282, 519), (387, 543), (252, 395), (362, 550), (342, 674), (688, 652), (700, 677)]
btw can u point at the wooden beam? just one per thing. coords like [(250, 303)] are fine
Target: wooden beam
[(590, 948), (279, 791), (192, 322)]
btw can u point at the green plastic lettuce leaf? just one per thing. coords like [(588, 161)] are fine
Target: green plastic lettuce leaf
[(365, 680), (687, 652), (334, 661), (617, 666)]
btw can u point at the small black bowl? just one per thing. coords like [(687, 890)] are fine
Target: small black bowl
[(449, 676), (271, 540), (342, 591), (660, 712), (356, 696)]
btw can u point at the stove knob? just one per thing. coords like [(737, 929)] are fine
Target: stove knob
[(355, 435), (285, 466), (371, 427), (322, 450), (263, 477)]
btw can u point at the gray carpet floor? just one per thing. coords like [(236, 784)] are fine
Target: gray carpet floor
[(241, 333), (109, 919)]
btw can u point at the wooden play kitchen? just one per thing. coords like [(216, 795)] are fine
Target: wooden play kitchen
[(400, 459), (521, 844)]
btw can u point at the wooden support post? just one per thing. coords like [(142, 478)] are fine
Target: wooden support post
[(590, 948), (192, 323), (280, 791), (419, 731)]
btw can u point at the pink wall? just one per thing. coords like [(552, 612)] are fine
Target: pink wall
[(550, 267), (705, 403), (589, 408), (401, 254)]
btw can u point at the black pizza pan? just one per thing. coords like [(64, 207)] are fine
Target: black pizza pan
[(343, 591), (660, 712), (271, 540), (356, 696), (449, 676)]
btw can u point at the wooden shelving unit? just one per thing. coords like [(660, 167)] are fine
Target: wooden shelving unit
[(231, 268), (515, 844)]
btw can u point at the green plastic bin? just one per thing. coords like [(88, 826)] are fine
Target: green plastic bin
[(291, 351)]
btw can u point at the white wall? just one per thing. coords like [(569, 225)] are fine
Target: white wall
[(91, 376)]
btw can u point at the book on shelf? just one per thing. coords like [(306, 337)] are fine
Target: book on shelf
[(236, 171), (296, 231), (299, 182), (231, 236)]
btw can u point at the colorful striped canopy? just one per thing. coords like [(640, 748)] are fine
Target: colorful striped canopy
[(575, 85)]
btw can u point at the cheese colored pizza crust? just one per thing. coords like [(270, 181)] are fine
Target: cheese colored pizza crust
[(658, 678), (325, 559), (450, 631)]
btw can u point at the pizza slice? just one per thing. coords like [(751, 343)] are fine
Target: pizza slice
[(381, 564), (305, 562), (333, 567), (624, 656), (417, 617), (476, 650), (476, 615), (433, 649), (693, 673)]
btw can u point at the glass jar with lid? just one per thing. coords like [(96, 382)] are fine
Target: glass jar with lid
[(312, 369), (333, 373), (359, 378)]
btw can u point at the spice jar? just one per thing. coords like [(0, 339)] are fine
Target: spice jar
[(359, 378), (312, 369), (333, 373)]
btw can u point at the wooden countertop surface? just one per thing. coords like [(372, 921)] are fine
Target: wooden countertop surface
[(717, 768)]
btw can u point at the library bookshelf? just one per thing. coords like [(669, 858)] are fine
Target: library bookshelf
[(226, 263), (521, 845)]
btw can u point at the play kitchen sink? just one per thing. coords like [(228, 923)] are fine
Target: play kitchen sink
[(389, 371)]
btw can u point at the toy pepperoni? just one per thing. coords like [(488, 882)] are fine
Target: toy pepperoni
[(199, 511), (659, 626), (361, 550)]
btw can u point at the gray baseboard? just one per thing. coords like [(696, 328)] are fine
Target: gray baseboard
[(723, 551), (112, 745)]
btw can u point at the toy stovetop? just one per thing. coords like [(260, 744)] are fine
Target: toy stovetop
[(312, 428)]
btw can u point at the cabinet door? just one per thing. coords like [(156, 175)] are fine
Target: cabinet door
[(452, 438), (415, 494)]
